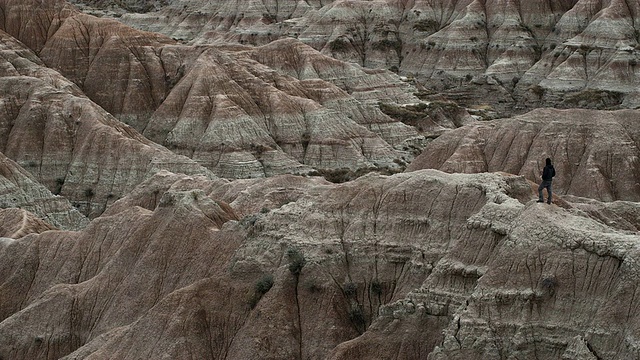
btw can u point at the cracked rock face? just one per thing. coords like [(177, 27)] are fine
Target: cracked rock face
[(453, 262), (30, 207)]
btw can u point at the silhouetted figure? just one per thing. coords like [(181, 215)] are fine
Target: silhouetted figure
[(547, 175)]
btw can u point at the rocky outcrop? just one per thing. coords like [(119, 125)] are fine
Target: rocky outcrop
[(262, 123), (531, 54), (454, 262), (425, 264), (68, 143), (270, 117), (21, 196), (17, 223), (595, 152), (521, 297)]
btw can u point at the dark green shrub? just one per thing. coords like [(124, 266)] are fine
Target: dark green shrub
[(549, 284), (339, 45), (537, 90), (59, 184), (305, 139), (356, 315), (296, 261), (427, 25), (350, 289), (376, 287), (260, 288), (263, 285), (386, 44)]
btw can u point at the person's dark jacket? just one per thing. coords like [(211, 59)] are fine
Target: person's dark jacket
[(548, 173)]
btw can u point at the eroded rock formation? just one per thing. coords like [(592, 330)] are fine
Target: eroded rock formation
[(425, 264), (575, 53), (596, 152), (247, 112), (20, 190), (67, 142), (17, 223), (405, 266)]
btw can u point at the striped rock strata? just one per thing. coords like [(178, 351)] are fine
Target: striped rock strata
[(541, 53), (66, 141), (270, 117), (595, 153)]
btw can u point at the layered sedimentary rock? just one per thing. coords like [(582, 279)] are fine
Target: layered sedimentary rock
[(529, 53), (67, 142), (248, 113), (20, 190), (595, 152), (424, 264), (416, 264), (242, 119), (526, 299), (17, 223)]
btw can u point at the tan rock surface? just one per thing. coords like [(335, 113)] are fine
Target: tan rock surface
[(595, 152), (241, 119), (67, 142), (17, 223), (270, 117), (402, 266), (424, 264)]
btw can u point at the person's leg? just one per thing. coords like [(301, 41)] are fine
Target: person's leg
[(549, 192), (540, 198)]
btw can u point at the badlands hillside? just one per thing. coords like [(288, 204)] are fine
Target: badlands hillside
[(315, 179)]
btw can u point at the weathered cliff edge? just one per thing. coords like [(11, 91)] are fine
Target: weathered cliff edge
[(415, 265), (596, 152)]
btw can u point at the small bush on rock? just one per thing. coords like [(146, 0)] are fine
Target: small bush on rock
[(376, 287), (264, 284), (296, 261), (260, 288), (350, 289)]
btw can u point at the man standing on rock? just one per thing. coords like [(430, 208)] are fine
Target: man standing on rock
[(547, 175)]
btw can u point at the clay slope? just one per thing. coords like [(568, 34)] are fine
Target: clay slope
[(270, 116), (67, 142), (20, 190), (454, 263), (17, 223), (595, 152), (578, 53)]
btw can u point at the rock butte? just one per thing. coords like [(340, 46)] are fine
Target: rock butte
[(157, 197)]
